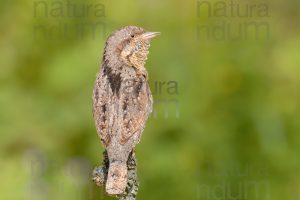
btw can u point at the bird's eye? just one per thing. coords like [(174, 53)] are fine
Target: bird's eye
[(132, 36)]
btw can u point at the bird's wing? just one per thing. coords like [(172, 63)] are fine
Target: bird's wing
[(115, 109), (101, 100), (136, 107)]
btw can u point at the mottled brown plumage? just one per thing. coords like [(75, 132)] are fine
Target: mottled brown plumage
[(122, 100)]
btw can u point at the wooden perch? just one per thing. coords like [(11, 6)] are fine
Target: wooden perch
[(100, 176)]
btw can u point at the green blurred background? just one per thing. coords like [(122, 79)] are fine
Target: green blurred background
[(230, 130)]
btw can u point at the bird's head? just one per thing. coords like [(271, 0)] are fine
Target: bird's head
[(129, 45)]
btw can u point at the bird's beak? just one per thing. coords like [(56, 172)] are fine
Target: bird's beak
[(150, 35)]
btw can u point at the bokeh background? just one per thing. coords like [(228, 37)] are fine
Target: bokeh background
[(227, 123)]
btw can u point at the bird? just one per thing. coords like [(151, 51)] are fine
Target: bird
[(122, 100)]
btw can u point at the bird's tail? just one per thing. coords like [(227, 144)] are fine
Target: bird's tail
[(117, 178)]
